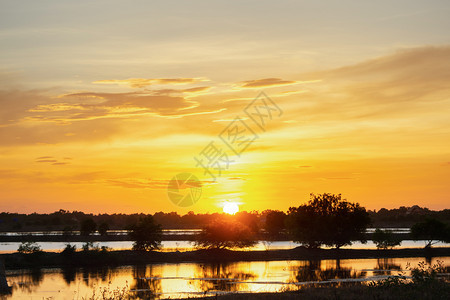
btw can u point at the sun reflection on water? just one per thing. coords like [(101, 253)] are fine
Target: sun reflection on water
[(190, 279)]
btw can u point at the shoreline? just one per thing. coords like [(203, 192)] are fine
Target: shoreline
[(130, 257)]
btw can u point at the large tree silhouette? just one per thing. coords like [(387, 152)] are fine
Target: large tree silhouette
[(328, 220), (274, 223), (432, 231), (146, 234), (88, 226), (221, 234)]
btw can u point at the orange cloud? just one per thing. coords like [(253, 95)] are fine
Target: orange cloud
[(47, 160), (107, 105), (139, 183), (143, 82), (52, 160), (195, 90), (266, 82)]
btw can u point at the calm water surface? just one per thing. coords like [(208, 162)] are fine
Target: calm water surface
[(11, 247), (193, 279)]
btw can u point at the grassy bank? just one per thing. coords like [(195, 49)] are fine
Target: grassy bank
[(128, 257)]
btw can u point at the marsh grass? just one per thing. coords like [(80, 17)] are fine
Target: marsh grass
[(108, 293)]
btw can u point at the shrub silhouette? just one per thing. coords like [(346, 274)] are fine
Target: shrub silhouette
[(222, 234), (385, 239), (29, 247), (69, 249)]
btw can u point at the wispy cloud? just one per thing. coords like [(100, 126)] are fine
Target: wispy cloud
[(402, 84), (272, 82), (52, 160), (265, 82), (144, 82), (194, 90), (44, 157), (46, 160), (91, 105), (139, 183)]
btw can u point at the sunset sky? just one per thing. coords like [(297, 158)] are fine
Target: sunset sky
[(103, 102)]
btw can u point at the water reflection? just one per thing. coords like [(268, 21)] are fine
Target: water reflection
[(28, 281), (69, 274), (170, 246), (92, 276), (220, 277), (191, 279), (146, 284), (316, 271), (385, 266)]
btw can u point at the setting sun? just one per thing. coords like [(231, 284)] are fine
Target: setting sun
[(230, 208)]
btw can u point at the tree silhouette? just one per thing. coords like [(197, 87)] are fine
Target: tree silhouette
[(328, 220), (146, 234), (222, 234), (103, 228), (385, 239), (430, 230), (275, 223), (88, 226)]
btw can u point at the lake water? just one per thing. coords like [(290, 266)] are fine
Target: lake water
[(194, 279), (9, 247)]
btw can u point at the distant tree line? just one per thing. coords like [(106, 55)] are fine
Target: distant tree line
[(406, 216), (88, 223), (74, 220)]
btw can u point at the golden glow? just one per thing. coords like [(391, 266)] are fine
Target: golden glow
[(230, 208), (367, 119)]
